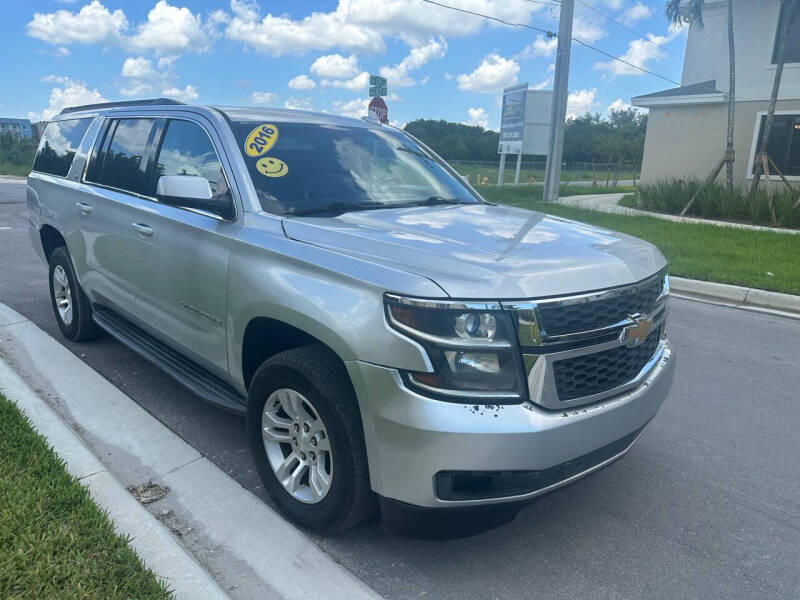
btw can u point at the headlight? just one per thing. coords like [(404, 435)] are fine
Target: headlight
[(472, 347)]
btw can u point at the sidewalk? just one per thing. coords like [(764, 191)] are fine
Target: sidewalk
[(209, 537), (609, 203)]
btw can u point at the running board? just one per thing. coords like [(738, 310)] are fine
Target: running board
[(209, 387)]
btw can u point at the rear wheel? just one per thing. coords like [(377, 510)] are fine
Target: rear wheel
[(70, 305), (306, 438)]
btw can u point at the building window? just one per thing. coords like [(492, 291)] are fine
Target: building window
[(791, 50), (783, 146)]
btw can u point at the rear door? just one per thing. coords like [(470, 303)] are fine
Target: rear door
[(116, 192)]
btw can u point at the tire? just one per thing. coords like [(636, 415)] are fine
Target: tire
[(70, 305), (315, 377)]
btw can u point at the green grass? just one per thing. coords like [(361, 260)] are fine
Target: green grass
[(490, 170), (7, 168), (697, 251), (54, 540)]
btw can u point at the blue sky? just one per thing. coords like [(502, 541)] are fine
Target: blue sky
[(440, 63)]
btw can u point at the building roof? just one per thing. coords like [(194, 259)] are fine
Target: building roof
[(695, 93)]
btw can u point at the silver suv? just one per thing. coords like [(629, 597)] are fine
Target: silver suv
[(388, 333)]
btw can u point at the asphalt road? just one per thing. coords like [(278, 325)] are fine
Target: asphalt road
[(707, 505)]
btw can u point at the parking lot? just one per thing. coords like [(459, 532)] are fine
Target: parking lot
[(706, 505)]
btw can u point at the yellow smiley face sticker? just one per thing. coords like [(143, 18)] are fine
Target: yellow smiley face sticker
[(272, 167), (260, 140)]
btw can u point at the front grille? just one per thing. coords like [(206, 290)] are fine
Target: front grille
[(586, 316), (603, 371)]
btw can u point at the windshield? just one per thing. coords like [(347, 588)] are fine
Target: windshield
[(301, 168)]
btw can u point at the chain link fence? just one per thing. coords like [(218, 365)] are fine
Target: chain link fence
[(588, 173)]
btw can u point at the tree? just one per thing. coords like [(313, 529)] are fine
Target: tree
[(679, 12), (789, 12)]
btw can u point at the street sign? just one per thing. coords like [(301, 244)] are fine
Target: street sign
[(377, 91), (378, 109), (377, 85)]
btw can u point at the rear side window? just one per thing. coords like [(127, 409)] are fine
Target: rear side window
[(118, 162), (58, 146), (186, 149)]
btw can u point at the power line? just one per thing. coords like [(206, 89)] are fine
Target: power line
[(469, 12), (551, 34), (625, 62), (633, 31)]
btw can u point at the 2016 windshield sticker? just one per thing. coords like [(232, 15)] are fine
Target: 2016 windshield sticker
[(272, 167), (261, 139)]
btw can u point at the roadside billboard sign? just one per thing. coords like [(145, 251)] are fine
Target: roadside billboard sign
[(512, 119), (525, 120)]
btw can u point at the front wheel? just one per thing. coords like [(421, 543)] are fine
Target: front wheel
[(307, 441)]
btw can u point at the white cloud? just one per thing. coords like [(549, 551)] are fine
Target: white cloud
[(169, 30), (282, 35), (640, 53), (172, 30), (636, 13), (545, 83), (618, 104), (298, 103), (418, 56), (92, 24), (588, 31), (187, 94), (138, 67), (61, 51), (479, 117), (264, 98), (302, 82), (356, 108), (415, 21), (492, 75), (335, 66), (581, 102), (541, 46), (359, 82), (74, 93)]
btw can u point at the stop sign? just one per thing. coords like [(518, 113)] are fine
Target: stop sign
[(377, 109)]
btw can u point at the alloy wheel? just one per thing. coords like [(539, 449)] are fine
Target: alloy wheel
[(297, 445)]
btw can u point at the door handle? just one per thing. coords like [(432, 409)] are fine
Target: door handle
[(84, 208), (142, 229)]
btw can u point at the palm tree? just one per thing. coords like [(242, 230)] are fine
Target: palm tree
[(679, 12), (789, 12)]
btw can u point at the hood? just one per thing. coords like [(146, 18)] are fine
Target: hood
[(486, 251)]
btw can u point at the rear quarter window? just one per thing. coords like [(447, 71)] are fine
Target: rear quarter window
[(59, 143)]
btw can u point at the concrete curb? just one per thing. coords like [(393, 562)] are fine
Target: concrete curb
[(150, 539), (736, 295), (238, 545)]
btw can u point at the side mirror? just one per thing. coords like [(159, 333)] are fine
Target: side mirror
[(191, 191)]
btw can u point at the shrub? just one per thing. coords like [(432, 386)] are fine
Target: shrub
[(716, 201)]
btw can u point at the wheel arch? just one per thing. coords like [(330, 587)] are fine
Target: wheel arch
[(51, 239), (265, 337)]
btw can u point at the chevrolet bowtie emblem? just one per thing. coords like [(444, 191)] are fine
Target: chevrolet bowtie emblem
[(635, 334)]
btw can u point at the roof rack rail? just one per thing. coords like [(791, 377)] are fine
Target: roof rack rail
[(145, 102)]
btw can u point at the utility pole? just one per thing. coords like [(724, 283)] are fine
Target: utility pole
[(555, 146)]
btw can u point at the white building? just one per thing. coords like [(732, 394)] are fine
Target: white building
[(687, 126)]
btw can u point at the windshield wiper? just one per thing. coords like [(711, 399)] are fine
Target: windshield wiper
[(336, 208), (434, 200)]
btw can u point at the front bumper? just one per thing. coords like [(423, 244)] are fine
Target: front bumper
[(411, 438)]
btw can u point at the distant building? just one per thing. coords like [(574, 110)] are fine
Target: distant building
[(687, 126), (19, 127)]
